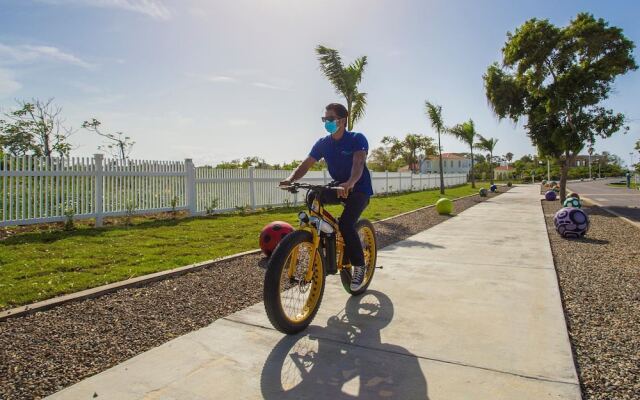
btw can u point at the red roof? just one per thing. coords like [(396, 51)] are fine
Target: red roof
[(449, 156)]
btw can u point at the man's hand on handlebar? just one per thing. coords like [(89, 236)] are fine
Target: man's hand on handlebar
[(346, 188), (286, 182)]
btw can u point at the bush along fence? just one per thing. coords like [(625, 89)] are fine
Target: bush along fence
[(40, 190)]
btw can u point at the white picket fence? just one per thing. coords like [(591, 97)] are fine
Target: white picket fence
[(38, 190)]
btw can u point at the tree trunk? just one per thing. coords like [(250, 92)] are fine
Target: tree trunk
[(564, 171), (441, 171), (473, 173), (349, 118), (491, 166)]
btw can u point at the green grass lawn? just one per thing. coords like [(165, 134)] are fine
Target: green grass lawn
[(623, 185), (40, 265)]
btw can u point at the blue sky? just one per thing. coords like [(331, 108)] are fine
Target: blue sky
[(217, 80)]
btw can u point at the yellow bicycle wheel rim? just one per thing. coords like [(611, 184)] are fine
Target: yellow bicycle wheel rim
[(299, 298), (368, 241)]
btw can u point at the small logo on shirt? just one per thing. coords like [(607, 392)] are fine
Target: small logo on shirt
[(346, 152)]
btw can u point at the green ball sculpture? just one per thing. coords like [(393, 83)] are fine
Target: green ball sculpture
[(444, 206), (483, 192)]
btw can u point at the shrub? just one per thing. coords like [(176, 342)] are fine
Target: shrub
[(213, 205)]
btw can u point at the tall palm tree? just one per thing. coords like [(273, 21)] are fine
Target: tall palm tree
[(488, 145), (466, 132), (345, 80), (434, 112)]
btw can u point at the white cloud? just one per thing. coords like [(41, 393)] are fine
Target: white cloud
[(221, 78), (8, 85), (240, 122), (152, 8), (269, 86), (27, 54)]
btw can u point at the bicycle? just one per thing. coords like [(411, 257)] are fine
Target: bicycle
[(295, 277)]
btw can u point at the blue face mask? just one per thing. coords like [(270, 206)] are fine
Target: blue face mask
[(331, 126)]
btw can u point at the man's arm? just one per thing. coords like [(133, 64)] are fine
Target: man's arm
[(299, 172), (359, 160)]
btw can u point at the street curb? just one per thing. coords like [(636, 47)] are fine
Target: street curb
[(614, 213), (146, 279)]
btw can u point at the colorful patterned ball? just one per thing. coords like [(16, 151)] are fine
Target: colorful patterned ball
[(556, 189), (272, 234), (572, 202), (483, 192), (444, 206), (493, 188), (571, 222), (550, 195)]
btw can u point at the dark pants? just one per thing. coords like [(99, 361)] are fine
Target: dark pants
[(354, 205)]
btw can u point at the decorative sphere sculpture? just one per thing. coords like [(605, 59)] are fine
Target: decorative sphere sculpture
[(556, 189), (483, 192), (550, 195), (509, 184), (571, 222), (272, 234), (444, 206), (574, 194), (572, 202), (493, 188)]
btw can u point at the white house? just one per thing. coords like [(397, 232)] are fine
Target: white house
[(452, 163)]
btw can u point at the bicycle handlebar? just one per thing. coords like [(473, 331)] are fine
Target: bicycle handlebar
[(293, 187)]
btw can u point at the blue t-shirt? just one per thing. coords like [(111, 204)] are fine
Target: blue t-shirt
[(339, 157)]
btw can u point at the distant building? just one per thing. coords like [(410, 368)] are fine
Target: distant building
[(503, 172), (582, 160), (452, 163)]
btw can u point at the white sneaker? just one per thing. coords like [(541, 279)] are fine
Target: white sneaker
[(357, 278)]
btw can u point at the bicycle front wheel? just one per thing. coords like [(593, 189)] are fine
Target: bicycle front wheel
[(293, 287)]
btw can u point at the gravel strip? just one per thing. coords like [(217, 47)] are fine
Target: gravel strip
[(45, 352), (599, 278)]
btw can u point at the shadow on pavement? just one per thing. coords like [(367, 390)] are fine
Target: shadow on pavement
[(311, 366)]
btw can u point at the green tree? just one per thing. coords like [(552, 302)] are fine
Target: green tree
[(118, 145), (411, 149), (434, 112), (557, 78), (345, 80), (35, 127), (488, 145), (508, 157), (466, 132), (382, 159), (638, 163)]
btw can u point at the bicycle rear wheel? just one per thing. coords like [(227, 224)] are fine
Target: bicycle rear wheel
[(292, 296), (367, 234)]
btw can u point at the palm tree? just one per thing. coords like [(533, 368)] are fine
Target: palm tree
[(466, 132), (434, 113), (345, 80), (487, 145)]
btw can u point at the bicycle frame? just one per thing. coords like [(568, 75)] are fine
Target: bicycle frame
[(318, 214)]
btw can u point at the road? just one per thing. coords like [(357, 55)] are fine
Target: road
[(469, 309), (620, 200)]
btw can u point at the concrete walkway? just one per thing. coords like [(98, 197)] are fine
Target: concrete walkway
[(469, 309)]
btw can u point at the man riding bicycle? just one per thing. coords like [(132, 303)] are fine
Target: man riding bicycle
[(345, 154)]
